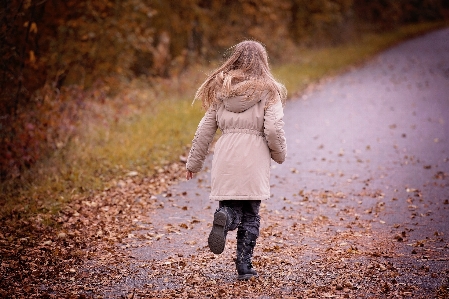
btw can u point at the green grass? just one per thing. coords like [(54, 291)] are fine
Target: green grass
[(103, 154), (141, 143), (161, 125)]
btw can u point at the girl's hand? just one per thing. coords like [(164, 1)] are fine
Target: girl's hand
[(189, 174)]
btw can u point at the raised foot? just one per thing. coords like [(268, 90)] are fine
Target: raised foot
[(217, 236)]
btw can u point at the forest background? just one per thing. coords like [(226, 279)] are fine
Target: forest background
[(97, 90)]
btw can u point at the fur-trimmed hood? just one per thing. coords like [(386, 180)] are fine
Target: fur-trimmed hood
[(240, 97)]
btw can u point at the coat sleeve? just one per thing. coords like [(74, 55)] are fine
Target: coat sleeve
[(274, 132), (200, 143)]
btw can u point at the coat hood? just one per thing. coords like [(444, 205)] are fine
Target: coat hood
[(238, 104), (240, 98)]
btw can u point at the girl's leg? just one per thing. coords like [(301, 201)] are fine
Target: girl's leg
[(247, 233), (250, 217), (235, 208), (226, 217)]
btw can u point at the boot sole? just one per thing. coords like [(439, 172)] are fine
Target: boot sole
[(217, 239), (246, 276)]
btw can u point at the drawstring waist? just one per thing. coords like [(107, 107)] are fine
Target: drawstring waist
[(244, 131)]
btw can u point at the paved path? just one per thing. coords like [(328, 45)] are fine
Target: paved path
[(384, 127), (367, 174)]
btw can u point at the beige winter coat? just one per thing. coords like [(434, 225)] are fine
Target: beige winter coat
[(251, 137)]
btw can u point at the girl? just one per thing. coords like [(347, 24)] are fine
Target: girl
[(243, 99)]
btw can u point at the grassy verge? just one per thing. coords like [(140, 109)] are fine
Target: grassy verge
[(106, 151), (159, 125)]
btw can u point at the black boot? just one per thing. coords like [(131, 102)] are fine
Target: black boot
[(245, 246), (223, 218)]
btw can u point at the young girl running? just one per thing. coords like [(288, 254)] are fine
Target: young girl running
[(245, 102)]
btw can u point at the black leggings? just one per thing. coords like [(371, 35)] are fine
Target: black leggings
[(246, 214)]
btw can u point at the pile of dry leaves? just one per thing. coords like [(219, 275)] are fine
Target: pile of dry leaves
[(38, 260)]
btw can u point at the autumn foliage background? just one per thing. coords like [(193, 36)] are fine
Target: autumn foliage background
[(67, 62)]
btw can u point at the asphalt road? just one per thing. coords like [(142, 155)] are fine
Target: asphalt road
[(367, 171), (382, 128)]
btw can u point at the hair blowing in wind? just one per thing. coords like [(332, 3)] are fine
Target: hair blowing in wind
[(245, 72)]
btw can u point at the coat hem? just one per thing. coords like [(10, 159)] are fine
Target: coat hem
[(239, 197)]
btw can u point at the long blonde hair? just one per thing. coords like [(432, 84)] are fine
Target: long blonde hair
[(247, 67)]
